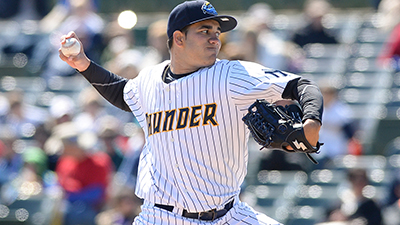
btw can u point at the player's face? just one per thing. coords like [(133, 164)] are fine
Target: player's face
[(202, 43)]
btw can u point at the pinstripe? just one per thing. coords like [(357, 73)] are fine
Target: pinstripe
[(197, 151), (201, 166), (189, 139), (211, 151), (222, 170), (164, 167), (220, 136), (176, 174), (186, 141), (236, 165)]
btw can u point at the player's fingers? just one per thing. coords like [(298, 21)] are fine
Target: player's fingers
[(286, 146), (69, 60), (62, 39), (62, 56), (285, 102), (71, 34)]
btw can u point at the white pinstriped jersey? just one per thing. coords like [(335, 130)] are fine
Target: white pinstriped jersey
[(195, 156)]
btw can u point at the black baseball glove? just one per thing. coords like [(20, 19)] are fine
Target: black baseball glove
[(275, 126)]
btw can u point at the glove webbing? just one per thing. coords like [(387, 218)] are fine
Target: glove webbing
[(264, 137)]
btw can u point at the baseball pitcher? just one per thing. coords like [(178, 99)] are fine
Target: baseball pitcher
[(191, 108)]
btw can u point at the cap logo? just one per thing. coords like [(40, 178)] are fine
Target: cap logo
[(208, 9)]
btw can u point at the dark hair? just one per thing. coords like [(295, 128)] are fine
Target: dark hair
[(357, 175), (170, 40), (169, 43)]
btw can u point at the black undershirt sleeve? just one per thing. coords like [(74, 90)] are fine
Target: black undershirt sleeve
[(108, 84), (307, 93)]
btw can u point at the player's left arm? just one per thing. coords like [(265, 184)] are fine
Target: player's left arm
[(309, 96)]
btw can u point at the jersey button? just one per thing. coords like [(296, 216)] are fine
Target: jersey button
[(172, 140), (167, 89)]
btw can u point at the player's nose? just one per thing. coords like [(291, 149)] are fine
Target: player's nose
[(215, 39)]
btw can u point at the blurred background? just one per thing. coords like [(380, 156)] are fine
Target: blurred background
[(69, 157)]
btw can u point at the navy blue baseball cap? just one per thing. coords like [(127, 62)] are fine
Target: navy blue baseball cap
[(190, 12)]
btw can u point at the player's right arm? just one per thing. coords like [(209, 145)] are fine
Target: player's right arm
[(108, 84)]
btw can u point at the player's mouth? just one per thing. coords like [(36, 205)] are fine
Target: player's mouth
[(213, 49)]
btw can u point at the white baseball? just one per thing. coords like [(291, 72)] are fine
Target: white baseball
[(71, 47)]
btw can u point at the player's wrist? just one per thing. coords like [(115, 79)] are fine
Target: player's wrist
[(315, 122), (83, 65), (311, 130)]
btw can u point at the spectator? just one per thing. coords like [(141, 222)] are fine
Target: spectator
[(355, 207), (62, 109), (314, 30), (108, 132), (232, 50), (127, 172), (92, 108), (124, 207), (32, 188), (20, 32), (30, 181), (156, 39), (42, 134), (260, 43), (60, 11), (338, 128), (367, 208), (83, 175), (35, 160), (391, 210), (119, 54), (86, 23), (22, 116), (10, 161), (81, 16)]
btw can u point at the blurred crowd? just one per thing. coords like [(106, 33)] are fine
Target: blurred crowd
[(80, 155), (81, 158)]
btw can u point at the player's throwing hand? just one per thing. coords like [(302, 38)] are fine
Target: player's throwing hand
[(77, 61)]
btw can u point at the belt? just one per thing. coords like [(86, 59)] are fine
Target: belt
[(210, 215)]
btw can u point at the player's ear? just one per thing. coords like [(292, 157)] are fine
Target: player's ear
[(178, 37)]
